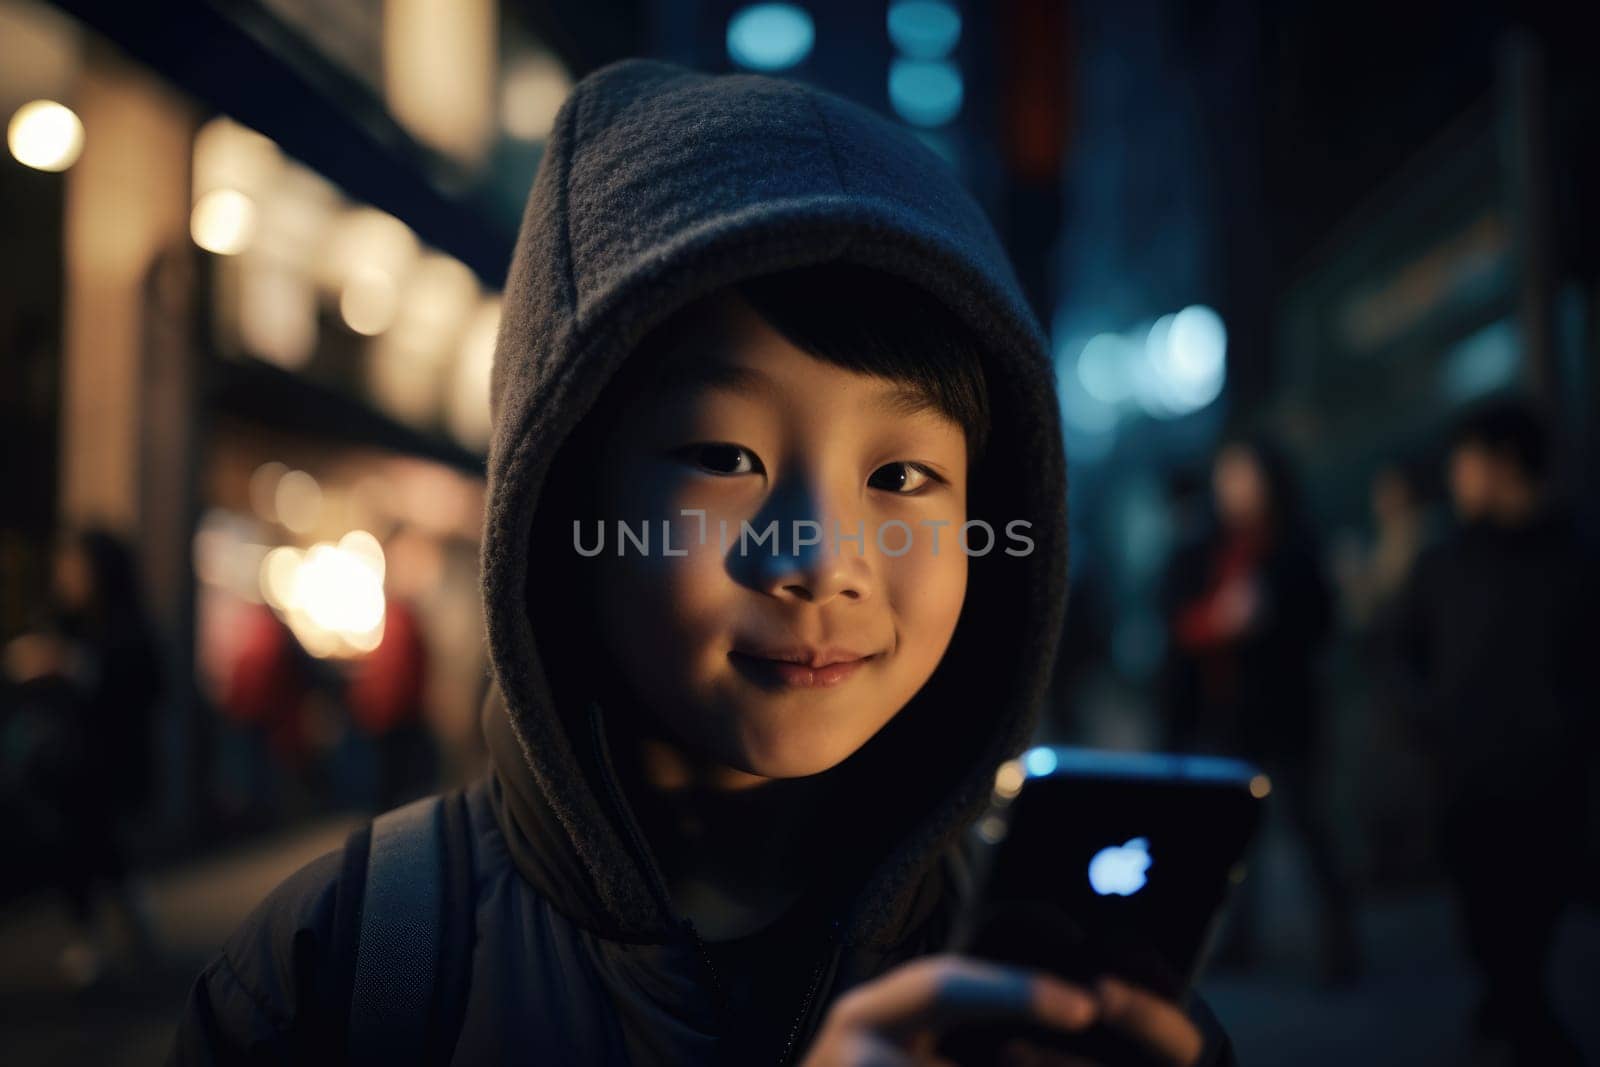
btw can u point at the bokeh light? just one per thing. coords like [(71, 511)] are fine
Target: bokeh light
[(338, 590), (228, 155), (223, 221), (45, 135), (264, 489), (1192, 365), (1008, 779), (365, 547), (1039, 761), (298, 501), (331, 596), (468, 416), (924, 29), (278, 569), (364, 239), (277, 312), (369, 301), (770, 37), (1105, 368), (925, 92), (534, 89)]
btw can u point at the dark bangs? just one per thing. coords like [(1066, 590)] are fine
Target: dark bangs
[(872, 322)]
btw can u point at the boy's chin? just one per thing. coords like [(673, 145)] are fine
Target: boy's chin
[(784, 765), (789, 754)]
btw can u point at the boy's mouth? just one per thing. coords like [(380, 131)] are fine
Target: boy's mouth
[(804, 668)]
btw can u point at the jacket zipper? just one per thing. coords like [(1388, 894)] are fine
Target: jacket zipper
[(805, 1004), (811, 995)]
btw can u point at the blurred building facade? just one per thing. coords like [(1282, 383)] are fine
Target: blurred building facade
[(251, 274)]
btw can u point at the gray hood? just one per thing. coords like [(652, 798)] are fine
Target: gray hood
[(660, 185)]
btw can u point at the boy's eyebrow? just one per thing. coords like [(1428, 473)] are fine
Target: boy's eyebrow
[(895, 398), (900, 398), (690, 376)]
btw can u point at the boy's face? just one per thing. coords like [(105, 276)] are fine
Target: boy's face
[(778, 435)]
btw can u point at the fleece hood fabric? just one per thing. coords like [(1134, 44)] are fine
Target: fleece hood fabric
[(660, 185)]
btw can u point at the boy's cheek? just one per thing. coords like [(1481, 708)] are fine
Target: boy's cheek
[(668, 620), (926, 585), (926, 593), (672, 600)]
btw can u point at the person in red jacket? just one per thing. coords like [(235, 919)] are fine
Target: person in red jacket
[(266, 704), (385, 697), (1257, 615)]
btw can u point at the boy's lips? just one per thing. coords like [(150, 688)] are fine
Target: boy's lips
[(800, 667), (804, 655)]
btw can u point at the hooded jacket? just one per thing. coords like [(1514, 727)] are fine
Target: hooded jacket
[(660, 185)]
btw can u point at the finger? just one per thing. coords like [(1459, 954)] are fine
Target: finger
[(945, 990), (1154, 1022)]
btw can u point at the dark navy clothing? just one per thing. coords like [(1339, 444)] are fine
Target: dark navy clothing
[(541, 989)]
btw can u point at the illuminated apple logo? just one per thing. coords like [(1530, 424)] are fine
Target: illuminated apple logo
[(1119, 869)]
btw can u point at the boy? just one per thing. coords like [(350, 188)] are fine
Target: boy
[(774, 571)]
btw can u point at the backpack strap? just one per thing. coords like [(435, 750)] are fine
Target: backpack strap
[(412, 944)]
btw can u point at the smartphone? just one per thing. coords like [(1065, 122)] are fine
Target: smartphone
[(1095, 862)]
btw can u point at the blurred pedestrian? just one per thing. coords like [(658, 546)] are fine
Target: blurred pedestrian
[(1256, 615), (386, 700), (1401, 531), (265, 739), (1496, 633), (1183, 580), (93, 659), (386, 690), (1397, 793)]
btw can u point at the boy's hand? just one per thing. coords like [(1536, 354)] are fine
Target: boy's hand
[(896, 1018)]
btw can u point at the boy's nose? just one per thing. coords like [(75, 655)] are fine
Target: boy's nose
[(816, 579), (810, 563)]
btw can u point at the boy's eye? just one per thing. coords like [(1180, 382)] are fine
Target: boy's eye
[(901, 477), (723, 459)]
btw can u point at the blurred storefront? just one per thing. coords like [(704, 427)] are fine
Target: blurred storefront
[(252, 303)]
